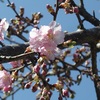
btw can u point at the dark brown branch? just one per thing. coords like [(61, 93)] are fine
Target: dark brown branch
[(13, 8), (94, 68), (57, 8), (80, 22), (81, 3), (88, 17), (13, 50), (85, 36), (4, 59)]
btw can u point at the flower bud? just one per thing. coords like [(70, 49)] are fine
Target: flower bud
[(50, 9), (76, 57), (21, 11), (28, 85), (65, 92), (34, 88), (36, 68), (7, 89), (42, 98), (58, 85), (75, 10), (1, 67), (12, 5)]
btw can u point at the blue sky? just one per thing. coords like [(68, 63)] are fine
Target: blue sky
[(69, 22)]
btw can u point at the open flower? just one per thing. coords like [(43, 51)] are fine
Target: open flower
[(46, 39), (5, 79), (53, 32), (3, 27)]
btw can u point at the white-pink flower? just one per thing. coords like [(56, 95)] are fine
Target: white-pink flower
[(3, 27), (5, 79), (46, 39), (53, 32)]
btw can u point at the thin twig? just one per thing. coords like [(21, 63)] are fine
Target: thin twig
[(57, 8), (2, 44), (10, 40), (80, 21), (13, 9), (81, 3), (4, 59), (22, 37)]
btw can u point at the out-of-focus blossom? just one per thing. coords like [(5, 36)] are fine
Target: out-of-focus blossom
[(16, 64), (36, 68), (3, 27), (5, 80), (65, 92), (6, 89), (60, 1), (46, 39)]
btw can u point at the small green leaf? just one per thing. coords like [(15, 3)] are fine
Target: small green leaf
[(71, 45), (72, 96)]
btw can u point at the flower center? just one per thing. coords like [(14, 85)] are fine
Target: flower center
[(50, 34)]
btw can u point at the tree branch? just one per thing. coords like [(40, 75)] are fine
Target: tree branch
[(13, 50), (84, 36), (88, 17), (94, 68)]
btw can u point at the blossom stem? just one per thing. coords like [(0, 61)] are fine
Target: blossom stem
[(57, 8)]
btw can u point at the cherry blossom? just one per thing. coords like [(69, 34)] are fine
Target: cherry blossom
[(5, 80), (46, 39), (3, 27)]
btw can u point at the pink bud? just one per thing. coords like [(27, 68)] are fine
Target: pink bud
[(36, 68), (65, 92), (42, 98), (34, 88), (75, 10), (43, 65), (6, 89), (28, 85)]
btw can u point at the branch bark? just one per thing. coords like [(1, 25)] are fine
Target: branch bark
[(84, 36), (88, 17), (94, 68)]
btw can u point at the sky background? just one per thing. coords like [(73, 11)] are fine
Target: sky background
[(69, 22)]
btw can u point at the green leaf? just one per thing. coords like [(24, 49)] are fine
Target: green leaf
[(71, 45)]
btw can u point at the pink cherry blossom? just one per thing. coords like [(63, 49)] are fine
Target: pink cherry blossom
[(53, 32), (5, 79), (46, 39), (3, 27), (50, 50), (16, 64), (6, 89)]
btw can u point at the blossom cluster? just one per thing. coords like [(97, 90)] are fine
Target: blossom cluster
[(3, 27), (46, 39), (5, 81)]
